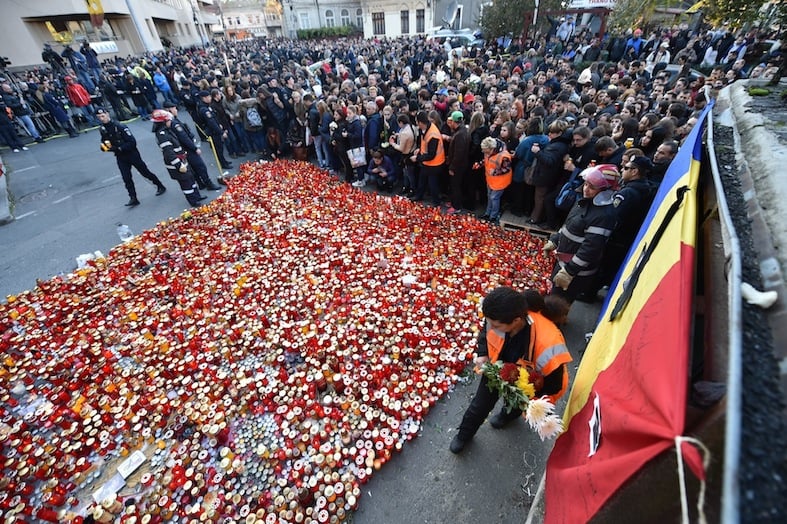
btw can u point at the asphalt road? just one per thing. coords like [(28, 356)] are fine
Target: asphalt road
[(68, 199)]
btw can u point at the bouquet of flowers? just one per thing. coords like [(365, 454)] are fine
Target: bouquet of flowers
[(517, 386)]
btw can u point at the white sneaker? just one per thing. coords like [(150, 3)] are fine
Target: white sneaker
[(359, 183), (16, 150), (25, 148)]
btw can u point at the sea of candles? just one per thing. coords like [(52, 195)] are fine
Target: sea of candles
[(268, 352)]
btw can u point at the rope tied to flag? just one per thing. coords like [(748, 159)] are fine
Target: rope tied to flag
[(692, 450)]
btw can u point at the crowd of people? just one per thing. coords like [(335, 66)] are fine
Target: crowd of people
[(571, 132)]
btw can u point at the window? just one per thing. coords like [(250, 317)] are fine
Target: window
[(405, 22), (378, 23), (329, 20), (345, 17), (359, 18), (458, 19), (305, 24), (419, 20)]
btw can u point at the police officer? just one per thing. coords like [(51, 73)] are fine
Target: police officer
[(175, 156), (212, 128), (188, 94), (193, 152), (117, 138), (631, 205)]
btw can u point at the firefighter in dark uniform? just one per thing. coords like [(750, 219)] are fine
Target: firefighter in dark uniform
[(117, 138), (212, 128), (193, 153), (175, 156)]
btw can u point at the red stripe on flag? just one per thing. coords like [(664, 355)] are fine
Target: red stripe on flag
[(642, 398)]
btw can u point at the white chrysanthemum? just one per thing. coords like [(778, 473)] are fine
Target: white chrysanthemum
[(551, 427), (538, 409)]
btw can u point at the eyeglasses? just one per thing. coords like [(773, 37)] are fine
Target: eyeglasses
[(628, 167)]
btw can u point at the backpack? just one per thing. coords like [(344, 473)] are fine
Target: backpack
[(253, 116), (568, 195)]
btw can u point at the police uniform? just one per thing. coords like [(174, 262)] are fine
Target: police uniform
[(212, 128), (175, 159), (124, 145), (186, 139), (631, 205)]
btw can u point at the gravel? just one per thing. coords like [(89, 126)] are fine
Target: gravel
[(763, 460)]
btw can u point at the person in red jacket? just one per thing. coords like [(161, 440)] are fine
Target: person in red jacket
[(79, 97)]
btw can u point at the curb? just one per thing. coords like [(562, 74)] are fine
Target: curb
[(5, 204), (758, 151)]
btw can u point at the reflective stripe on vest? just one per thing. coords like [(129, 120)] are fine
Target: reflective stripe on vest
[(439, 157), (548, 350)]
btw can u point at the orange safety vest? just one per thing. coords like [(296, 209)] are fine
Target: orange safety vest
[(547, 349), (439, 158), (498, 170)]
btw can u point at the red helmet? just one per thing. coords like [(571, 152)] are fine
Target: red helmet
[(159, 115), (604, 176)]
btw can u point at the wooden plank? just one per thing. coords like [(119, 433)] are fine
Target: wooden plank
[(512, 222)]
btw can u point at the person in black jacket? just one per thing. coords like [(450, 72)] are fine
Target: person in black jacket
[(476, 179), (211, 127), (117, 138), (549, 169), (20, 109), (175, 156), (193, 152), (111, 95), (8, 131), (138, 92), (458, 160), (631, 205), (54, 60)]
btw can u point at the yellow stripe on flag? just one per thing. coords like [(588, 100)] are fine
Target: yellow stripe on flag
[(610, 336), (94, 7)]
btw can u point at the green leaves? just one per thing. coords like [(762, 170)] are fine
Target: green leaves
[(509, 17), (513, 397), (327, 32)]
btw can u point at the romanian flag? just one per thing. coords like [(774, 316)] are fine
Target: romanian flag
[(96, 12), (628, 400)]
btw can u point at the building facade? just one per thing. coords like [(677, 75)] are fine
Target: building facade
[(126, 27), (377, 18), (242, 19)]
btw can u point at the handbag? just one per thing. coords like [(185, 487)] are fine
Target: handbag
[(357, 156), (529, 170), (568, 194)]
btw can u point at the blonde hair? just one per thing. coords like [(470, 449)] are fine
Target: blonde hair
[(489, 143), (558, 126)]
